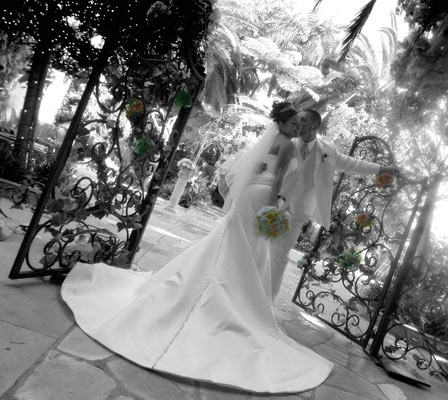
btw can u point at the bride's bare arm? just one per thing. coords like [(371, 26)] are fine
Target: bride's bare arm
[(285, 154)]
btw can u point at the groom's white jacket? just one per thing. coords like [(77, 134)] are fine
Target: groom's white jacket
[(328, 160)]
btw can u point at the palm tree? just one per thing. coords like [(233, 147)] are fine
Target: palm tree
[(229, 71), (372, 71), (277, 48)]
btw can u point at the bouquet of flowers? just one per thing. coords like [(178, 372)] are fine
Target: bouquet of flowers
[(185, 163), (349, 260), (272, 222)]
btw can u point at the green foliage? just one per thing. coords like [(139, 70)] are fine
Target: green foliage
[(423, 13), (13, 59), (420, 66), (266, 46)]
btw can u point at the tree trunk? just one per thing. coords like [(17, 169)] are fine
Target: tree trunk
[(424, 245), (31, 105)]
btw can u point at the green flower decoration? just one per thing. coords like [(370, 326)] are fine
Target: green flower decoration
[(183, 99), (142, 145), (349, 260)]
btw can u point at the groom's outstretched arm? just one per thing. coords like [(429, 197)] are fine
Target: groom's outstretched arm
[(351, 164)]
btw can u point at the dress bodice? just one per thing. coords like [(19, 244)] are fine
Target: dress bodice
[(270, 162), (265, 173)]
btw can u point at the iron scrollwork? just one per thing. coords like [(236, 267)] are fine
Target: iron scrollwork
[(418, 334), (344, 273), (115, 163)]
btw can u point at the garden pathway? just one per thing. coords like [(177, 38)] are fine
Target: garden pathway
[(45, 356)]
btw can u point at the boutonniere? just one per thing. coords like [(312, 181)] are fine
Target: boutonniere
[(324, 156)]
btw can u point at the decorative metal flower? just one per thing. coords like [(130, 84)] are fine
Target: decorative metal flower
[(384, 179), (349, 260), (142, 145), (134, 109), (363, 220)]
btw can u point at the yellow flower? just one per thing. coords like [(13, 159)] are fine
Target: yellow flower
[(363, 220)]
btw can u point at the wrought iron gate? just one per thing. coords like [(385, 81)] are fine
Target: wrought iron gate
[(357, 274), (101, 215)]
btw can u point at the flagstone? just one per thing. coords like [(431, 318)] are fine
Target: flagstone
[(333, 353), (308, 395), (19, 349), (435, 392), (63, 377), (392, 392), (364, 366), (325, 392), (9, 250), (305, 334), (345, 380), (81, 345), (35, 305), (203, 390), (145, 383)]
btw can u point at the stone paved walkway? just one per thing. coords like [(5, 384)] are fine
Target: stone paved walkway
[(45, 356)]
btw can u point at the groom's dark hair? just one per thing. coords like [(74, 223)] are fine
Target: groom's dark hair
[(315, 116)]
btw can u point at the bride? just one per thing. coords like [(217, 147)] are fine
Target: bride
[(207, 314)]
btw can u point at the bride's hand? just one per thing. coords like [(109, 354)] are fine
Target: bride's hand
[(280, 202)]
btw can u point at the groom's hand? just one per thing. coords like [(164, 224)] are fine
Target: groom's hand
[(390, 169)]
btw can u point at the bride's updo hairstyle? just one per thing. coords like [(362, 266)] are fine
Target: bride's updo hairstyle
[(282, 111)]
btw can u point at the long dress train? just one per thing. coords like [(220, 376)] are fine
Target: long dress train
[(205, 315)]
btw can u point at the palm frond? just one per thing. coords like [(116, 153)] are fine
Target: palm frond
[(389, 48), (355, 28), (393, 21), (229, 34), (367, 44), (392, 37), (386, 58), (260, 48), (359, 55), (367, 74), (316, 6)]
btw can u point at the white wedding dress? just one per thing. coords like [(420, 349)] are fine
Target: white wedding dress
[(205, 315)]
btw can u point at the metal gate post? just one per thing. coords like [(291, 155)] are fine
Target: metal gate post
[(59, 165), (404, 271), (160, 175)]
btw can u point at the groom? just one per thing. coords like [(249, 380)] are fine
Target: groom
[(308, 186)]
